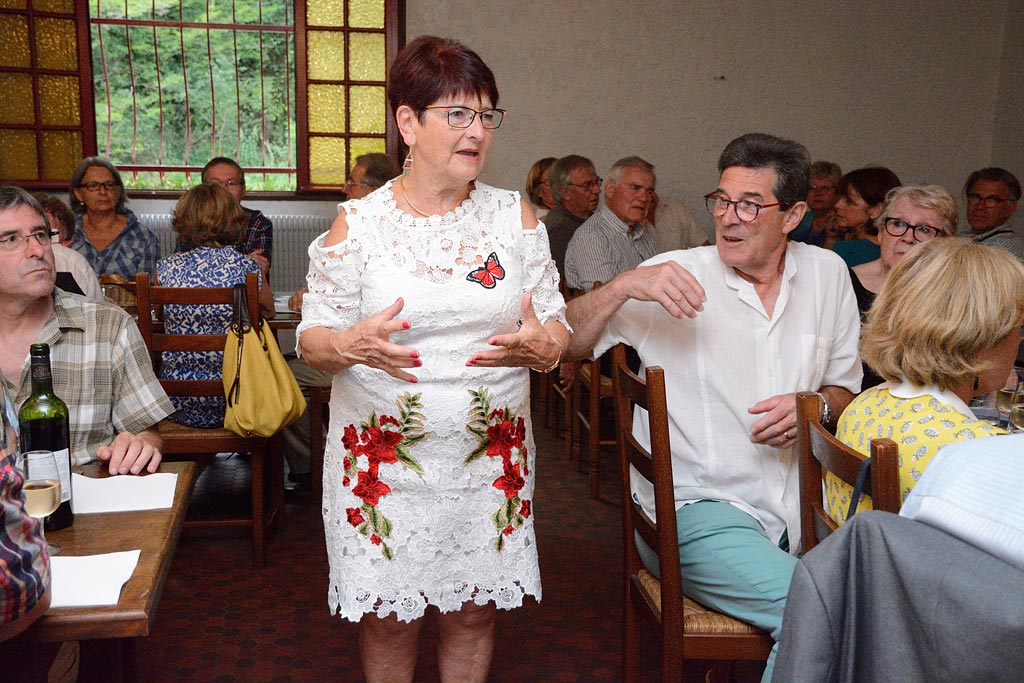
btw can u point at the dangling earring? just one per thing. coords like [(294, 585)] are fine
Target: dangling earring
[(977, 382), (407, 164)]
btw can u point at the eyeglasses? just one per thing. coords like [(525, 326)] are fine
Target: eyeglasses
[(990, 201), (589, 185), (95, 187), (463, 117), (351, 183), (13, 241), (898, 227), (746, 210), (821, 188)]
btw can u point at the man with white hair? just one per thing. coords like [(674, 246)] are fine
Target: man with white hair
[(615, 239)]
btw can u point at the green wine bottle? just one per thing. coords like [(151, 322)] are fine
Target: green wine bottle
[(43, 419)]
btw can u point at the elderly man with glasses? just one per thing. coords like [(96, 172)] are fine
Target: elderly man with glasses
[(992, 195), (615, 238), (100, 364), (577, 191), (739, 328), (258, 239)]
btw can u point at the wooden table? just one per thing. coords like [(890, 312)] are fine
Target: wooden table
[(107, 633), (285, 320)]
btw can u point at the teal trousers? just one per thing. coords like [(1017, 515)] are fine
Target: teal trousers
[(730, 565)]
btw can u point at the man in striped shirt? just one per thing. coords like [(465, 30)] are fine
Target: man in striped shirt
[(616, 238)]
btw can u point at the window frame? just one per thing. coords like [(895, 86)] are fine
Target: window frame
[(394, 39)]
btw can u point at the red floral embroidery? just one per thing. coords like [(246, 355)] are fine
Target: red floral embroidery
[(355, 516), (382, 441), (511, 482), (500, 433), (370, 488)]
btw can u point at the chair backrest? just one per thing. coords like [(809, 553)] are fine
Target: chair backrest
[(152, 298), (654, 465), (820, 451)]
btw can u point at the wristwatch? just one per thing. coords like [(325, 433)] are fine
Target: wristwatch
[(826, 415)]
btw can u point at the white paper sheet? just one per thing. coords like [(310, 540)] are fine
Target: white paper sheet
[(122, 493), (281, 301), (90, 580)]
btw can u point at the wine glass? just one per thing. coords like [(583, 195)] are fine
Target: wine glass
[(42, 486), (1017, 409)]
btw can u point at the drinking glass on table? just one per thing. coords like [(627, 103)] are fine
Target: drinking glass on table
[(1004, 398), (42, 485), (1017, 409)]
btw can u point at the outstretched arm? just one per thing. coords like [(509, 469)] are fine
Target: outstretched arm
[(668, 283)]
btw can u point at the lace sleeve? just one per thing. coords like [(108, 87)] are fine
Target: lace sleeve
[(542, 276), (333, 300)]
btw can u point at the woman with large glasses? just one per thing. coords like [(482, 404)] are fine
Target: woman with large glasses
[(911, 215), (861, 198), (107, 233), (428, 300)]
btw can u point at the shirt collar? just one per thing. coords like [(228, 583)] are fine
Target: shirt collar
[(907, 390)]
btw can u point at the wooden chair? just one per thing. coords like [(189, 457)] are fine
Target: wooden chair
[(588, 394), (319, 400), (820, 451), (181, 442), (688, 630)]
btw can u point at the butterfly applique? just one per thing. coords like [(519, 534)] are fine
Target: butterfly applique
[(489, 273)]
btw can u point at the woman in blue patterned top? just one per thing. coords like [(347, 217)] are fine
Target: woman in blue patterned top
[(206, 216)]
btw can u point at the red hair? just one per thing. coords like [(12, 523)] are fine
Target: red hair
[(430, 68)]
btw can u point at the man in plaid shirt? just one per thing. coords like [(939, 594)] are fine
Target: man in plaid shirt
[(258, 240), (101, 367)]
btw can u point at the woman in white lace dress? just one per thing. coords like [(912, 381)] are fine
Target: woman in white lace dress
[(429, 300)]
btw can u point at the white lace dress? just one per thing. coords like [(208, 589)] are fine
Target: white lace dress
[(428, 487)]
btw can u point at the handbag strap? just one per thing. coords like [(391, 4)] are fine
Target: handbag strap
[(240, 325), (858, 487), (240, 321)]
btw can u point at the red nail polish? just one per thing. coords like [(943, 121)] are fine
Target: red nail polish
[(417, 364), (415, 354), (414, 380), (405, 326)]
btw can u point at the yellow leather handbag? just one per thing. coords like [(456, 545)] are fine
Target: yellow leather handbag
[(262, 395)]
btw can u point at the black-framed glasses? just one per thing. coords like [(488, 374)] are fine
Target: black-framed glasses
[(990, 202), (897, 227), (13, 241), (109, 186), (746, 210), (463, 117), (587, 186)]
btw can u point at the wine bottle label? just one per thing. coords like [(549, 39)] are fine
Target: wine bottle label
[(64, 469), (41, 372)]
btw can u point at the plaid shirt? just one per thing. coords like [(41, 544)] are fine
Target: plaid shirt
[(135, 250), (603, 247), (259, 234), (24, 565), (102, 370)]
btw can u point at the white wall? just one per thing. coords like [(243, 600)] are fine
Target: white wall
[(930, 88), (913, 85)]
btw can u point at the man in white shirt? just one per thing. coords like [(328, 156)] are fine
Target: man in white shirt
[(739, 328)]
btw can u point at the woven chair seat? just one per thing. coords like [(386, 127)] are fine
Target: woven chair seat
[(607, 388), (697, 619)]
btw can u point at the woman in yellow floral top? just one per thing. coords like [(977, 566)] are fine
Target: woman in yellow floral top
[(945, 327)]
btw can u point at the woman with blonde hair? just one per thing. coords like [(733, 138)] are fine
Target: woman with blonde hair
[(208, 219), (537, 187), (944, 328)]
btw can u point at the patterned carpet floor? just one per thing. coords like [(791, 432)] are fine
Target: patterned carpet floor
[(221, 621)]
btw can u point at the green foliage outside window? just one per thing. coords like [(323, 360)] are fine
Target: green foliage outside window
[(237, 117)]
